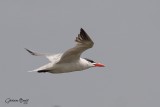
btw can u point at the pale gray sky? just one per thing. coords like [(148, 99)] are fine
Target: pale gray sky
[(127, 39)]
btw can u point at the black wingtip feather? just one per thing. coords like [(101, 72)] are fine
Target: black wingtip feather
[(29, 51), (82, 31), (83, 34)]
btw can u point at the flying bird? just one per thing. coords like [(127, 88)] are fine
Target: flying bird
[(70, 60)]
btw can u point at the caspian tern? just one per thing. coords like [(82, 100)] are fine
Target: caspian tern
[(70, 60)]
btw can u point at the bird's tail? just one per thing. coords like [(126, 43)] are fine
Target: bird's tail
[(43, 69), (32, 71), (40, 71)]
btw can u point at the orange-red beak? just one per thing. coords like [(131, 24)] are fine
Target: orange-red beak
[(99, 65)]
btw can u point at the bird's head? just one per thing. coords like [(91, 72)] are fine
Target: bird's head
[(93, 63)]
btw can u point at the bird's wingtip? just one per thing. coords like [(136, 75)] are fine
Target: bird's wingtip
[(31, 52), (81, 29), (27, 49)]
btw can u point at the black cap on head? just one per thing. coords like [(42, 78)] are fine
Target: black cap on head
[(89, 60)]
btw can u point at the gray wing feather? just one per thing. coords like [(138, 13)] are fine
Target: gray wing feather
[(54, 58), (84, 42)]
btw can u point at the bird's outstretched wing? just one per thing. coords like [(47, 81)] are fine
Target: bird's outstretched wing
[(84, 42), (54, 58)]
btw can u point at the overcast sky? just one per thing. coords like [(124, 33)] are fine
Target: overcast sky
[(127, 40)]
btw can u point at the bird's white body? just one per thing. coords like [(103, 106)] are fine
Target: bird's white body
[(54, 67)]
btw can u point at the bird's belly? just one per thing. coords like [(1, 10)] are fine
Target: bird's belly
[(64, 68)]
